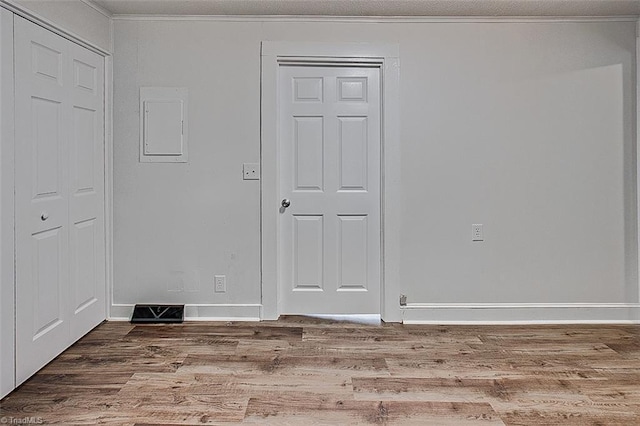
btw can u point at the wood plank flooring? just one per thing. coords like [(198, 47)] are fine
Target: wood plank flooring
[(316, 372)]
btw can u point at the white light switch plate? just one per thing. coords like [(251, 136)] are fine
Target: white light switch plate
[(251, 171)]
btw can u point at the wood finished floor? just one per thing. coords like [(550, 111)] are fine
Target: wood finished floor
[(304, 371)]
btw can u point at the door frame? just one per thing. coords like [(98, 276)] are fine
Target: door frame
[(7, 267), (386, 58)]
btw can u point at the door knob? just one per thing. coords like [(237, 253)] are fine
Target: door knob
[(44, 216), (285, 203)]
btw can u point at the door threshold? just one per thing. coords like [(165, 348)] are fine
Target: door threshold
[(366, 319)]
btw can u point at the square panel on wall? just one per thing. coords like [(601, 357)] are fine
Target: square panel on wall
[(163, 124)]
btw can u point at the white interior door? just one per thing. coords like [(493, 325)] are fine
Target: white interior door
[(59, 195), (86, 197), (42, 197), (329, 235)]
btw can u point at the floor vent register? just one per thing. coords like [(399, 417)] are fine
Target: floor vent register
[(146, 314)]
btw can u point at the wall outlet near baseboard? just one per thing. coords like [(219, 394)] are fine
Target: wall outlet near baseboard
[(220, 283), (476, 232), (251, 171)]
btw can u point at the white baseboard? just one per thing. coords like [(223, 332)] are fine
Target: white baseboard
[(521, 313), (210, 312), (441, 313)]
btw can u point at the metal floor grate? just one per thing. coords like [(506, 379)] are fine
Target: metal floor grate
[(157, 313)]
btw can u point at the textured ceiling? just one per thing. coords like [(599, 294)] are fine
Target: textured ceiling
[(374, 7)]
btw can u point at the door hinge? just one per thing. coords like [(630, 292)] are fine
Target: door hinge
[(403, 300)]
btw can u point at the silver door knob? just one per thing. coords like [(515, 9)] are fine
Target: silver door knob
[(285, 203), (44, 216)]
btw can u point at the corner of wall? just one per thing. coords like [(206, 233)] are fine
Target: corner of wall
[(637, 157)]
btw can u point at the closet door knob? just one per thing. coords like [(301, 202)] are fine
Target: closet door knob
[(285, 203), (44, 216)]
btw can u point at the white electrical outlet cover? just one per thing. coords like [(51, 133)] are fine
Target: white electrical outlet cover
[(251, 171), (220, 283), (476, 232)]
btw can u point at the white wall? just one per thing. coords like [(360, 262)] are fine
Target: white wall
[(74, 16), (526, 128), (7, 307)]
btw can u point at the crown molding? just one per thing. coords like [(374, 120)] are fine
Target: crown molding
[(101, 10), (377, 19), (22, 11)]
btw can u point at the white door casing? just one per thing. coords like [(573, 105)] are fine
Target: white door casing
[(7, 296), (330, 173), (276, 55), (59, 210)]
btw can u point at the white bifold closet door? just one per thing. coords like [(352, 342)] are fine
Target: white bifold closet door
[(59, 171)]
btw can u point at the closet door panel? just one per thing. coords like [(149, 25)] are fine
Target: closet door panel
[(59, 162), (42, 196), (86, 203)]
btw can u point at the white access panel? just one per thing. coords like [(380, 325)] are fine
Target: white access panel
[(163, 124)]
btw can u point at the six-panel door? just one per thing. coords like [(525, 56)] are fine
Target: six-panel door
[(329, 144), (86, 191)]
